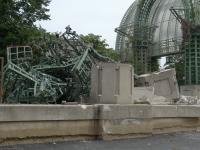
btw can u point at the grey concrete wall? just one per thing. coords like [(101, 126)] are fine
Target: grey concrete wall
[(107, 122)]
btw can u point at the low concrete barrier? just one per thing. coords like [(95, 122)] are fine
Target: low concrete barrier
[(47, 112), (47, 123), (130, 121), (20, 123)]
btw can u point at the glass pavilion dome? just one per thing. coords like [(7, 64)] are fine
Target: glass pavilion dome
[(151, 29), (166, 35)]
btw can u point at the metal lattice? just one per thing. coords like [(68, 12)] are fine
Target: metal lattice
[(56, 68)]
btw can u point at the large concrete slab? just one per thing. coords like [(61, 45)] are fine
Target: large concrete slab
[(111, 83)]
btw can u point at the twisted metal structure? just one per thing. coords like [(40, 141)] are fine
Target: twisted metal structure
[(54, 69), (151, 29)]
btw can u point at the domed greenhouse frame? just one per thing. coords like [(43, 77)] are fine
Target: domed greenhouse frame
[(151, 29)]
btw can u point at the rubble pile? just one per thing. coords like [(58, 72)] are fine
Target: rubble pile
[(188, 100)]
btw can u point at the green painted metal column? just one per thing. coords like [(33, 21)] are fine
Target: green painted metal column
[(192, 60)]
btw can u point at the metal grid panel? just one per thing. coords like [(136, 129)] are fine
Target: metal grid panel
[(192, 61)]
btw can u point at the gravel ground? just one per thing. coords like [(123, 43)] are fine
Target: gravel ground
[(179, 141)]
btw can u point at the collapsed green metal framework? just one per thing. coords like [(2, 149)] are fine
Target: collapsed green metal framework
[(55, 68), (151, 29)]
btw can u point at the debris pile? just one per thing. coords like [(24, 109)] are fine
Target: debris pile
[(54, 69), (188, 100)]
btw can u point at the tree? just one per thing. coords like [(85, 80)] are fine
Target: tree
[(17, 18), (100, 45)]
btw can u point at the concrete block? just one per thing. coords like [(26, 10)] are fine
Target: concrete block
[(111, 84), (164, 111), (190, 90), (12, 113), (125, 111), (188, 111)]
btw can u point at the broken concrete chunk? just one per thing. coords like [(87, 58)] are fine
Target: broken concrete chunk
[(164, 83)]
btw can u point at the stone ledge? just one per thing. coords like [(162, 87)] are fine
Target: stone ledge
[(164, 111), (14, 113)]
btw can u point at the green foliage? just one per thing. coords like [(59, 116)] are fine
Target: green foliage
[(100, 45), (23, 12), (17, 18)]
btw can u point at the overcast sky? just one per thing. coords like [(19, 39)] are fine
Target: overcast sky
[(87, 16)]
